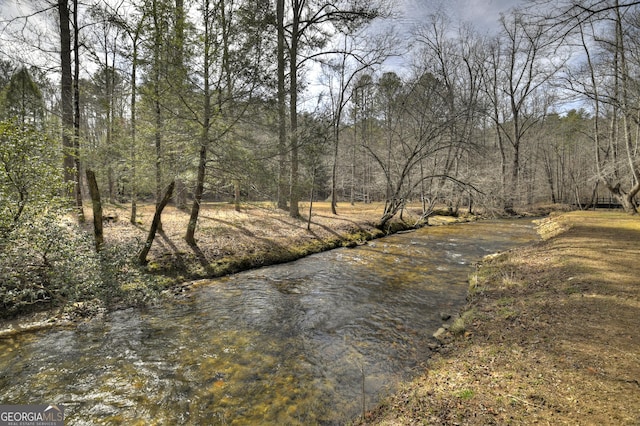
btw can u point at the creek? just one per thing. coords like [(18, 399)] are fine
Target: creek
[(307, 342)]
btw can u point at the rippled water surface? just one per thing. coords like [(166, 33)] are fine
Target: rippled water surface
[(289, 344)]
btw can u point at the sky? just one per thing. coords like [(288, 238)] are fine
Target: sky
[(483, 14)]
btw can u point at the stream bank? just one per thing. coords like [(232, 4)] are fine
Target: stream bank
[(313, 341), (550, 336), (229, 241)]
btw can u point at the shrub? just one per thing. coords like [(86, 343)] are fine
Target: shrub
[(30, 175), (46, 261)]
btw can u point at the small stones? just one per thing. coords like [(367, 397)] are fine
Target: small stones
[(439, 333)]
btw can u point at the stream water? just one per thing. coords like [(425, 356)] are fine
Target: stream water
[(308, 342)]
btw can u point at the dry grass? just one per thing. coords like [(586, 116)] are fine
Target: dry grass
[(553, 338), (229, 240)]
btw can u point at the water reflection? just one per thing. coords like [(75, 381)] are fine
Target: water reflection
[(289, 344)]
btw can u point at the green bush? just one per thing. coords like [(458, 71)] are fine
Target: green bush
[(49, 261), (30, 175), (46, 261)]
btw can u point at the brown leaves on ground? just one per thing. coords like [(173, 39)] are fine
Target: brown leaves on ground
[(230, 240), (553, 336)]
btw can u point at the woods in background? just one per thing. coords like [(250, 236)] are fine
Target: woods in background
[(289, 100)]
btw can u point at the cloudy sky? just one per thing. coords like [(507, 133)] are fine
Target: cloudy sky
[(483, 14)]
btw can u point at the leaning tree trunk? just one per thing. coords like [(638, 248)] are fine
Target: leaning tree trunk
[(197, 197), (392, 207), (142, 257), (626, 199), (97, 209)]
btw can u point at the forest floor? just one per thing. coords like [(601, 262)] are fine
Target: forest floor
[(230, 241), (549, 336)]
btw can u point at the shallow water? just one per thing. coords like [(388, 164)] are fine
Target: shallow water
[(290, 344)]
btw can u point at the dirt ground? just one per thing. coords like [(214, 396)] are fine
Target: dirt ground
[(550, 336)]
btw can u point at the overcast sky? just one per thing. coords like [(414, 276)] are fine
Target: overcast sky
[(483, 14)]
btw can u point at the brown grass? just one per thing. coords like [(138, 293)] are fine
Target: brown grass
[(229, 240), (551, 336)]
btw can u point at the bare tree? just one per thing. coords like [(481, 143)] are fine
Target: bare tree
[(417, 128), (313, 21), (606, 31), (363, 112), (522, 63), (457, 61), (614, 96), (355, 57)]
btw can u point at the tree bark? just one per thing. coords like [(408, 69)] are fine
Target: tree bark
[(391, 209), (236, 194), (76, 115), (197, 197), (313, 184), (156, 102), (142, 256), (134, 183), (66, 97), (204, 137), (97, 209), (294, 196), (282, 112), (334, 168)]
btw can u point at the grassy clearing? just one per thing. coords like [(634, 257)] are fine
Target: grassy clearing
[(552, 340)]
